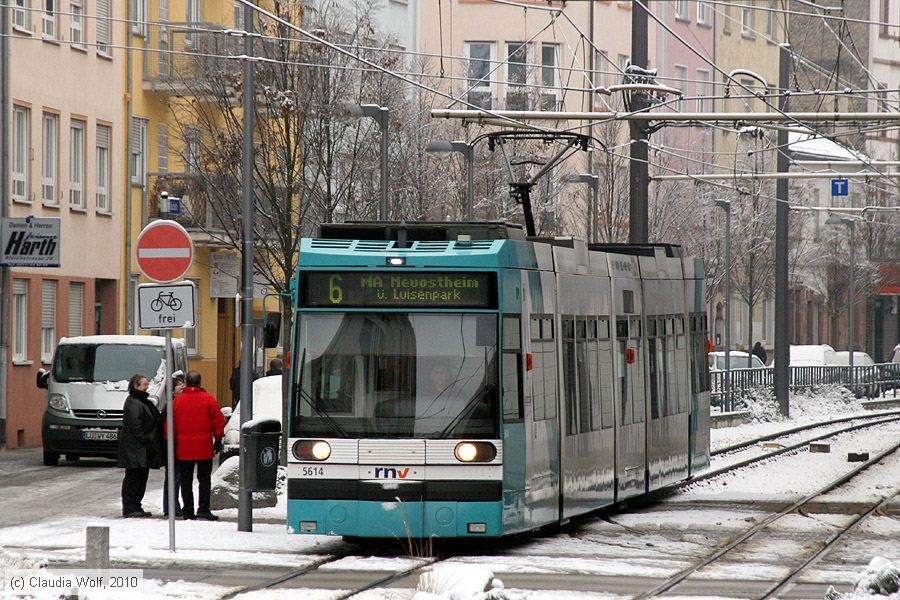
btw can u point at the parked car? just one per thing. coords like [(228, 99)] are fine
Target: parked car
[(819, 355), (867, 380), (738, 361), (266, 405)]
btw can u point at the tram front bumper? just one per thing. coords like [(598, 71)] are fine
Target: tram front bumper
[(419, 510)]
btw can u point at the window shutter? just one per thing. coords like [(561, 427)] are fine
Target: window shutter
[(48, 304), (103, 136), (76, 309), (20, 286), (162, 137), (103, 25), (135, 133)]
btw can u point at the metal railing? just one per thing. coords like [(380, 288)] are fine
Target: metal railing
[(186, 52), (869, 381), (195, 209)]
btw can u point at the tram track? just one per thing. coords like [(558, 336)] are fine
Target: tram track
[(787, 580)]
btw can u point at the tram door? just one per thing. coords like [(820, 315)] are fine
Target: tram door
[(541, 415), (630, 392)]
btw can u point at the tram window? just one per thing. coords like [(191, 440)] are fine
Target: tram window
[(606, 387), (512, 337), (584, 383), (593, 360), (547, 329), (581, 328), (537, 381), (550, 380), (513, 401), (635, 328), (623, 383), (652, 367), (535, 329), (604, 328), (592, 329), (622, 329), (568, 332), (627, 301), (651, 327)]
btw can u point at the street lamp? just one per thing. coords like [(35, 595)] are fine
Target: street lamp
[(381, 115), (726, 206), (593, 181), (468, 152), (851, 223)]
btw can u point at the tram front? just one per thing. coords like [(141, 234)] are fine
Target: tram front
[(395, 419)]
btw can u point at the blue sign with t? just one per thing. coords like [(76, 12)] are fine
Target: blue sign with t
[(839, 187)]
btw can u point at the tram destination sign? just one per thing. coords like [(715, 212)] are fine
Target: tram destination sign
[(406, 289)]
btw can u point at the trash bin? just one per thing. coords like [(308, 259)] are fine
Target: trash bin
[(259, 447)]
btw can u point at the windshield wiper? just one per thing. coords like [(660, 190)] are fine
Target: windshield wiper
[(335, 426), (469, 407)]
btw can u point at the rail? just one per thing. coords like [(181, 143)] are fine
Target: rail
[(869, 381)]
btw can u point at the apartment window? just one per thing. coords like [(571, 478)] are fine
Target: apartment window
[(49, 18), (747, 22), (549, 77), (770, 19), (704, 102), (138, 153), (76, 22), (76, 164), (162, 148), (703, 13), (883, 105), (103, 26), (48, 320), (480, 83), (194, 11), (238, 15), (681, 10), (50, 156), (103, 135), (622, 61), (76, 309), (139, 17), (20, 152), (192, 151), (20, 320), (516, 76), (680, 82), (22, 14)]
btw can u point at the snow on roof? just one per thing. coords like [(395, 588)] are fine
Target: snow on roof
[(814, 145)]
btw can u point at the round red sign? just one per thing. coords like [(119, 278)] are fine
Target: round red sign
[(164, 251)]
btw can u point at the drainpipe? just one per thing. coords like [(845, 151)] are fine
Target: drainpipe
[(4, 212), (129, 74)]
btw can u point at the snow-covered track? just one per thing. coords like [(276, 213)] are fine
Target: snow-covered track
[(755, 459), (798, 429), (675, 580), (389, 579), (278, 581)]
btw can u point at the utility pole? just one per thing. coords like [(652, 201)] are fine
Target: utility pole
[(4, 211), (638, 169), (245, 497), (782, 370)]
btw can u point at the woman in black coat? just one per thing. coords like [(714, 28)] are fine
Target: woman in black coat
[(138, 445)]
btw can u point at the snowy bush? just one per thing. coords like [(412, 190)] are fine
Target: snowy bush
[(818, 403), (880, 580), (460, 582)]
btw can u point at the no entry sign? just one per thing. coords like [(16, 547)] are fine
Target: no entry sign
[(164, 251)]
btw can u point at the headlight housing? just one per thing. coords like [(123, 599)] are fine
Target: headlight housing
[(468, 452), (311, 450), (58, 402)]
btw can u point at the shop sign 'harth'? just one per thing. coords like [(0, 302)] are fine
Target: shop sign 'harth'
[(30, 242)]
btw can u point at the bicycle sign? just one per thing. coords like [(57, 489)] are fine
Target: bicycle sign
[(167, 306)]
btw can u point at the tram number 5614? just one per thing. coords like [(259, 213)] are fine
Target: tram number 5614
[(312, 471), (335, 293)]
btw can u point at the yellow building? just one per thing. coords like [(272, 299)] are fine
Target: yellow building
[(170, 39)]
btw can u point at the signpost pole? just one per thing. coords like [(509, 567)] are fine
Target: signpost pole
[(170, 442)]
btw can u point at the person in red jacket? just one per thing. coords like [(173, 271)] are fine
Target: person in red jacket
[(198, 420)]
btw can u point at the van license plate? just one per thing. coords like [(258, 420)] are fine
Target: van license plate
[(105, 436)]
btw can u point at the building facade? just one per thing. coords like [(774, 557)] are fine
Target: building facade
[(66, 156)]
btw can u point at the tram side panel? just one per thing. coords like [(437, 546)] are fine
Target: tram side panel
[(631, 409), (516, 396), (588, 444)]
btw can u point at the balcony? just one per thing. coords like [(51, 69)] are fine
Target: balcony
[(188, 58), (199, 213)]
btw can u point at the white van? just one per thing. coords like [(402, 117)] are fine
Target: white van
[(86, 389), (819, 355)]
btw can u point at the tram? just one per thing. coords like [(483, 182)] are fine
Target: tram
[(464, 380)]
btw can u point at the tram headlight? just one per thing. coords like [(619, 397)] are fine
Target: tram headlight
[(311, 450), (475, 452)]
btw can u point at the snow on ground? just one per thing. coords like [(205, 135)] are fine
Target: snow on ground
[(292, 594), (373, 563)]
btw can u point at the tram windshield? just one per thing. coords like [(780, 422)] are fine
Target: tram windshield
[(397, 375)]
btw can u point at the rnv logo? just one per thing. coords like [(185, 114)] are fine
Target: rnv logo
[(391, 473)]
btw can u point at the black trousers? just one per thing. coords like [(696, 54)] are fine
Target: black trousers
[(133, 487), (186, 473), (176, 476)]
